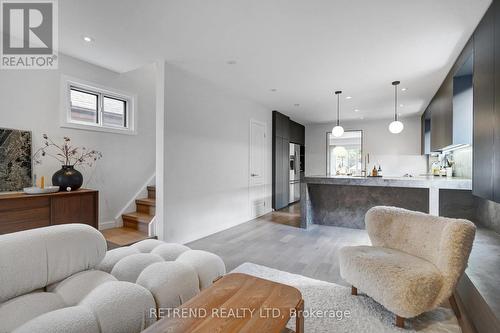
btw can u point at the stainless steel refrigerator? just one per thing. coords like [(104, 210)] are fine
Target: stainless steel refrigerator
[(294, 165)]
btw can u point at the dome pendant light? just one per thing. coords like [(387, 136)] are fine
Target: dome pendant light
[(338, 130), (396, 126)]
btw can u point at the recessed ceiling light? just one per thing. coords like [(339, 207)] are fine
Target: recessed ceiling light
[(88, 39), (273, 90), (356, 110), (403, 89), (297, 104), (231, 62), (348, 97)]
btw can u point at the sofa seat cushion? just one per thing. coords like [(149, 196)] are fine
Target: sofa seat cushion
[(74, 288), (74, 319), (172, 283), (19, 310), (404, 284)]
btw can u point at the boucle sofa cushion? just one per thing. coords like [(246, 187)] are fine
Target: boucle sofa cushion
[(208, 265), (19, 310), (34, 258), (74, 319), (171, 283), (120, 307), (404, 284), (130, 267), (170, 251), (74, 288), (115, 255), (147, 245)]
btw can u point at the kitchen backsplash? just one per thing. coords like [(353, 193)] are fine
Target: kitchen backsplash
[(399, 165), (462, 161)]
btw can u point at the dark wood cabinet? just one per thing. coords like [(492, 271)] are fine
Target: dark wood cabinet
[(19, 211), (484, 107), (281, 125), (442, 115), (281, 174), (285, 131), (297, 133), (425, 144)]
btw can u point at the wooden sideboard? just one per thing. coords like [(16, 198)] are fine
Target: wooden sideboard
[(19, 211)]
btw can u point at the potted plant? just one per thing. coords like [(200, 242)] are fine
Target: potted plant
[(67, 178)]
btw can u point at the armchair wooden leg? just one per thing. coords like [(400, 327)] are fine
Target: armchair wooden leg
[(354, 291), (454, 306), (400, 322)]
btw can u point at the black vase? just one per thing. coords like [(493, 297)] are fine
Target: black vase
[(68, 176)]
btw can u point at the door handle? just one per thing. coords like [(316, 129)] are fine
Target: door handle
[(254, 175)]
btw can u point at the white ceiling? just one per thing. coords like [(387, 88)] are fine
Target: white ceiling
[(305, 49)]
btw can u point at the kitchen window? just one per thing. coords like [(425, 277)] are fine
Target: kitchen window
[(344, 154), (91, 107)]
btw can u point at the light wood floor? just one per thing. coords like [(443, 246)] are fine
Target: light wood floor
[(274, 240)]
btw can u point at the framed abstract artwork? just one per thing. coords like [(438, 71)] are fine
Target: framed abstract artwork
[(15, 159)]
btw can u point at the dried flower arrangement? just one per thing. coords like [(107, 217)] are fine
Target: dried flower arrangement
[(66, 153)]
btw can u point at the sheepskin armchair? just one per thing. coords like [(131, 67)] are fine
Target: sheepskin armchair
[(414, 263)]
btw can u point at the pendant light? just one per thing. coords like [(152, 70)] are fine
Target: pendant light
[(338, 130), (396, 126)]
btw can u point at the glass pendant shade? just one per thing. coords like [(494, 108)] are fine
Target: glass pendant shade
[(396, 127), (337, 131)]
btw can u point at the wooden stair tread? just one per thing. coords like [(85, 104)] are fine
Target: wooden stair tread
[(146, 202), (124, 236), (138, 217)]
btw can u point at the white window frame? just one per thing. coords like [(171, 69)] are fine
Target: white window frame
[(130, 101)]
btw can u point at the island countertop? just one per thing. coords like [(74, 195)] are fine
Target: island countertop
[(434, 182)]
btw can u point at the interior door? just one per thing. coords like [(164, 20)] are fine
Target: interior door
[(257, 180)]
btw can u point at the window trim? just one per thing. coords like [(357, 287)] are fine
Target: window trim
[(65, 115)]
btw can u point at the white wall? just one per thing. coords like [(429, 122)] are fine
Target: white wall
[(206, 171), (396, 153), (30, 100)]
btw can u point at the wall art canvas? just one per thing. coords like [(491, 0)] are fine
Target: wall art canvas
[(15, 159)]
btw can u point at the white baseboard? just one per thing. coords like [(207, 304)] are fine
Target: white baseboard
[(107, 225)]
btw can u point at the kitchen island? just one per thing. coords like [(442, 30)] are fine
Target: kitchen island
[(343, 200)]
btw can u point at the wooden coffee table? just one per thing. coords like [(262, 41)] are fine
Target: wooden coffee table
[(236, 303)]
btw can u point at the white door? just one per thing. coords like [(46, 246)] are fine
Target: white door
[(257, 169)]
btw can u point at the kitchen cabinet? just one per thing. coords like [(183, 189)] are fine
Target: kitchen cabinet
[(281, 125), (297, 133), (445, 130), (484, 106), (285, 131), (441, 109), (281, 175), (426, 132)]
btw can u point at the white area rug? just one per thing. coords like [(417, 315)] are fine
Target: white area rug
[(365, 314)]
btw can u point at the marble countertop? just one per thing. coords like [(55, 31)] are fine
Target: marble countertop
[(453, 183)]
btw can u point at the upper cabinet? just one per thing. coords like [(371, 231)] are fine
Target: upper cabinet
[(441, 111), (281, 125), (447, 121), (297, 133), (484, 106)]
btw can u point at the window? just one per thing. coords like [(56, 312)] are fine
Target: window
[(94, 108), (344, 154)]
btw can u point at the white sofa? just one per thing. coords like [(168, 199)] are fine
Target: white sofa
[(415, 261), (60, 279)]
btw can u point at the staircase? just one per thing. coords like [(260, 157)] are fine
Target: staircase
[(135, 225)]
